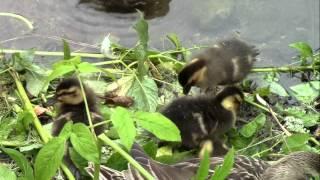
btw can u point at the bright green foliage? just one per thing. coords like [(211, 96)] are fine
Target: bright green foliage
[(203, 170), (123, 122), (22, 162), (306, 92), (253, 126), (84, 143), (158, 125), (221, 172), (49, 159), (7, 173)]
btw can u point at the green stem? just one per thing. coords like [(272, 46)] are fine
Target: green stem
[(49, 53), (124, 154), (285, 69), (28, 107), (96, 165), (21, 18), (44, 135)]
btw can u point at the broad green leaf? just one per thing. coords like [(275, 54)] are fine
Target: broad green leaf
[(7, 173), (252, 127), (49, 159), (304, 49), (278, 89), (203, 170), (60, 71), (295, 142), (145, 94), (175, 40), (35, 83), (66, 130), (86, 67), (151, 149), (306, 92), (84, 143), (66, 50), (117, 161), (222, 172), (309, 119), (77, 159), (122, 85), (159, 125), (123, 122), (21, 161)]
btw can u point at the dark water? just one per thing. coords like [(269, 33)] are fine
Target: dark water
[(270, 24)]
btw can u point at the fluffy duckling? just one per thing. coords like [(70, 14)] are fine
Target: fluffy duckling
[(72, 107), (227, 62), (204, 117), (244, 168)]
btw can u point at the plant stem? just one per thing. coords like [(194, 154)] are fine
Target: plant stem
[(23, 19), (285, 69), (124, 154), (44, 135), (28, 107), (55, 53)]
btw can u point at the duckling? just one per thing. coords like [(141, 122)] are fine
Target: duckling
[(72, 107), (204, 117), (244, 168), (227, 62)]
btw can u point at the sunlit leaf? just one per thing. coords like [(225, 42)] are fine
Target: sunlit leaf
[(306, 92), (253, 126), (304, 49), (295, 142), (175, 40), (221, 172), (123, 122), (278, 89), (84, 143), (145, 94), (49, 159), (159, 125), (86, 67), (203, 170), (21, 161), (7, 173)]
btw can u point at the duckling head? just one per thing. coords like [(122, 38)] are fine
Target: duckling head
[(69, 92), (230, 98)]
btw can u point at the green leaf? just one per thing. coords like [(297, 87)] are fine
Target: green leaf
[(203, 170), (77, 159), (7, 173), (145, 94), (66, 130), (123, 122), (304, 49), (159, 125), (151, 149), (142, 29), (21, 161), (117, 161), (49, 159), (222, 172), (253, 126), (306, 92), (35, 83), (175, 40), (86, 67), (295, 142), (66, 50), (84, 143), (278, 89)]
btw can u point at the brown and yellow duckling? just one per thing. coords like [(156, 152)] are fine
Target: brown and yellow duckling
[(72, 106), (227, 62), (295, 166), (205, 118)]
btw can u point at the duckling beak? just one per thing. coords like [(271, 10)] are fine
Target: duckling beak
[(186, 89), (52, 101)]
